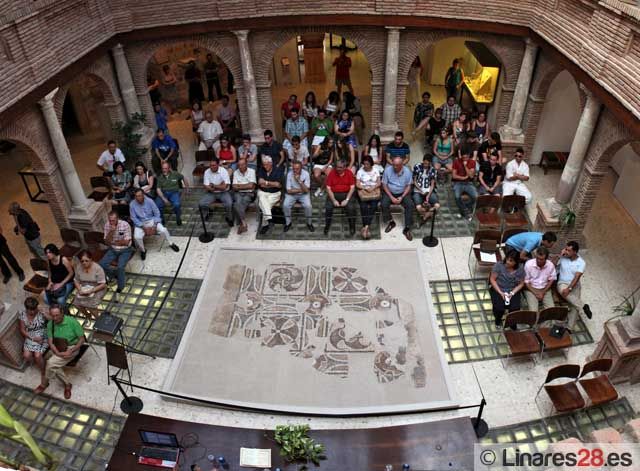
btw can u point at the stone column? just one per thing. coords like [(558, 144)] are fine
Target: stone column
[(127, 89), (389, 124), (85, 214), (251, 91), (512, 131)]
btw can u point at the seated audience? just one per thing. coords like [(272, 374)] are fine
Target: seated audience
[(344, 130), (33, 327), (90, 283), (165, 149), (539, 276), (110, 156), (144, 180), (170, 186), (425, 195), (217, 184), (464, 170), (481, 127), (516, 173), (432, 125), (309, 108), (226, 114), (296, 125), (244, 192), (298, 152), (397, 182), (423, 109), (323, 157), (117, 235), (526, 243), (341, 185), (60, 277), (331, 105), (248, 151), (226, 154), (492, 146), (450, 111), (375, 150), (321, 128), (147, 222), (287, 107), (297, 191), (161, 117), (271, 148), (507, 281), (209, 133), (398, 148), (443, 152), (269, 191), (570, 269), (121, 181), (65, 336), (368, 183), (490, 177), (460, 127)]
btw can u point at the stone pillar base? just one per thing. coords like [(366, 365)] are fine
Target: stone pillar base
[(387, 132), (257, 136), (626, 357), (90, 218), (511, 136), (147, 135), (545, 220)]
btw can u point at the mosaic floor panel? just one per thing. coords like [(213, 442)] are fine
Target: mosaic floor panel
[(137, 305), (191, 215), (475, 337), (79, 438)]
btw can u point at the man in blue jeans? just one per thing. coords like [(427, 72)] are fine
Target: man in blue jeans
[(464, 171), (117, 235), (170, 185)]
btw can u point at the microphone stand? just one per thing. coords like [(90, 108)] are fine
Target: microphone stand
[(430, 240), (205, 237)]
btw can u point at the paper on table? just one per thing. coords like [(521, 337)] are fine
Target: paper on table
[(488, 257), (255, 457)]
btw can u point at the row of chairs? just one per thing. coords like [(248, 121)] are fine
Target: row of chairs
[(566, 397), (532, 335), (501, 212), (490, 241)]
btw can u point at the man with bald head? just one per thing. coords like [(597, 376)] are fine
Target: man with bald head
[(269, 188), (397, 182)]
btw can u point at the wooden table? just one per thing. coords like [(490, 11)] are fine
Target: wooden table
[(27, 171), (552, 159), (446, 444)]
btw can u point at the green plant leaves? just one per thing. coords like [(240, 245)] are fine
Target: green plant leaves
[(296, 445)]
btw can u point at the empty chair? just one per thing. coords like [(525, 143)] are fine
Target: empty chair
[(95, 243), (485, 248), (513, 212), (549, 342), (565, 397), (101, 187), (202, 159), (522, 342), (39, 281), (72, 243), (487, 211), (598, 388)]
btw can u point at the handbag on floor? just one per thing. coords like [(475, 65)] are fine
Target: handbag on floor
[(369, 195)]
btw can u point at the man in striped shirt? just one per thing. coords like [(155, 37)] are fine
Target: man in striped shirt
[(398, 148)]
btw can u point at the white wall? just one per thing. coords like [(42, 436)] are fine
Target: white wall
[(559, 119), (626, 190)]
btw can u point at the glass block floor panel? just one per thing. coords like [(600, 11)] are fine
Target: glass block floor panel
[(137, 305), (80, 438), (471, 335)]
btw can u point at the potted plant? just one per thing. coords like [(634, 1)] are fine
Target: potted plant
[(297, 446), (128, 136), (567, 217)]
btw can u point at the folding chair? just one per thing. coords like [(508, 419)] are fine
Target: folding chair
[(522, 342), (72, 242), (39, 281), (513, 212), (487, 211), (549, 342), (485, 241), (101, 187), (598, 388), (565, 397)]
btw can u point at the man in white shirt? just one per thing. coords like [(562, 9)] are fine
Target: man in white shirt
[(109, 157), (298, 152), (217, 184), (244, 187), (298, 184), (516, 173), (209, 132), (570, 269)]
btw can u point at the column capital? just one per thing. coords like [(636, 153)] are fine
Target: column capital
[(118, 49), (47, 100), (530, 43), (392, 29), (241, 33), (591, 97)]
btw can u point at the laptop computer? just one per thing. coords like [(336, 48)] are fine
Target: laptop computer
[(160, 449)]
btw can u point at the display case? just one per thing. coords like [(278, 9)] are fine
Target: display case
[(482, 82)]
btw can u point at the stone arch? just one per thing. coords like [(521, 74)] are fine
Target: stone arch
[(30, 131), (223, 45), (371, 41), (509, 50)]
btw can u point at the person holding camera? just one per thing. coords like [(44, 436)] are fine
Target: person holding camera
[(117, 235), (507, 282)]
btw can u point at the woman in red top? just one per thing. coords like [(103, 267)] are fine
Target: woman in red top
[(227, 154)]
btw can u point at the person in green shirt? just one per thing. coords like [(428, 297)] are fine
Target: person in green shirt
[(66, 328), (321, 127), (170, 185)]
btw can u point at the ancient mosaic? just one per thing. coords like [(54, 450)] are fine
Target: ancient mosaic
[(326, 315)]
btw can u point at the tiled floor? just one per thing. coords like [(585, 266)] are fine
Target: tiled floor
[(191, 216), (576, 424), (138, 304), (79, 438), (470, 333)]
